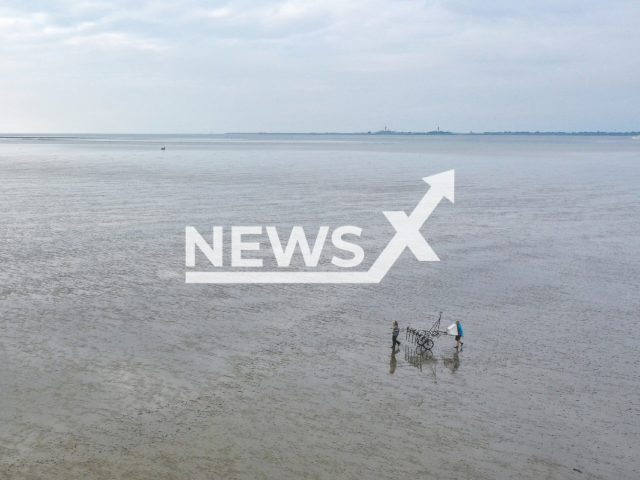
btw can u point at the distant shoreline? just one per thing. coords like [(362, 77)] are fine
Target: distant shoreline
[(33, 136), (389, 132)]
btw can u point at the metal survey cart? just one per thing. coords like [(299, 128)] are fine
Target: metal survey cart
[(424, 339)]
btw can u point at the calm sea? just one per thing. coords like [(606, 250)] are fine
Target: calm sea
[(112, 367)]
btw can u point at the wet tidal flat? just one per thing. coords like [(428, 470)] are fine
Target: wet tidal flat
[(111, 366)]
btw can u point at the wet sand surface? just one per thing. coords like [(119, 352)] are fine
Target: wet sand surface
[(112, 367)]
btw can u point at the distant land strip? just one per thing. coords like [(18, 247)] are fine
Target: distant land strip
[(71, 136), (438, 132)]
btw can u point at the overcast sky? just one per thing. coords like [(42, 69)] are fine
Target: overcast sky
[(297, 66)]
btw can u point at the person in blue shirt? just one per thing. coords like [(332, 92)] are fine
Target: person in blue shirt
[(459, 336)]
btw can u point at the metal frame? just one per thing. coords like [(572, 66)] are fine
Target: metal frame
[(424, 338)]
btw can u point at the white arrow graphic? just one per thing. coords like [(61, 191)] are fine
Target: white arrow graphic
[(407, 235)]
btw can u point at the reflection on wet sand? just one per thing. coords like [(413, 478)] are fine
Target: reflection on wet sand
[(419, 358), (452, 363), (394, 363)]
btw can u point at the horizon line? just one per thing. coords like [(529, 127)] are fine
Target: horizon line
[(379, 132)]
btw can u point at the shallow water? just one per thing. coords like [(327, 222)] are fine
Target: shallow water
[(113, 367)]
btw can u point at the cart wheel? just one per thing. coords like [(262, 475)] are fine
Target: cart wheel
[(428, 344)]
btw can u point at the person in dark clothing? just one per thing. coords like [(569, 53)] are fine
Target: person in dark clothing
[(396, 332), (459, 336)]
